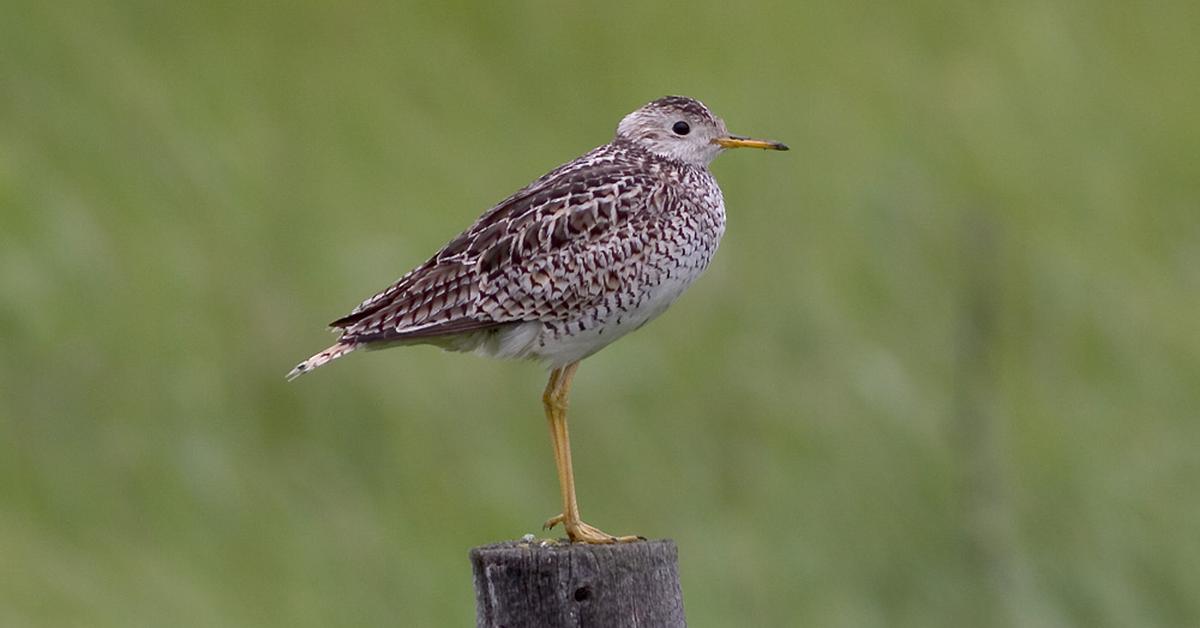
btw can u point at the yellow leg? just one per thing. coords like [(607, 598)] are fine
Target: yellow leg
[(555, 401)]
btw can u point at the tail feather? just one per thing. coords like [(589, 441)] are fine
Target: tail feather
[(332, 353)]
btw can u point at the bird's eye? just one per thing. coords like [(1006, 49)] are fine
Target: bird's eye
[(681, 128)]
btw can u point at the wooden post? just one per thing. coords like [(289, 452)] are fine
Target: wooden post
[(551, 583)]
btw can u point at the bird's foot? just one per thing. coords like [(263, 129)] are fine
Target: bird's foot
[(580, 532)]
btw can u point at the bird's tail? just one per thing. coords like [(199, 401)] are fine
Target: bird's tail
[(332, 353)]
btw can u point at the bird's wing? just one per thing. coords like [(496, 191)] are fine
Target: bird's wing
[(511, 265)]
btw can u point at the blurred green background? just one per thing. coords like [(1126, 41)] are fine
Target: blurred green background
[(945, 370)]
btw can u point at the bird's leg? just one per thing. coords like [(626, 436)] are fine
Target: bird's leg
[(555, 402)]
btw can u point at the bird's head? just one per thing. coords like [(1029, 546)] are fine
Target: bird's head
[(683, 129)]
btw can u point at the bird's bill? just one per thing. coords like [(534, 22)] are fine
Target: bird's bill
[(737, 141)]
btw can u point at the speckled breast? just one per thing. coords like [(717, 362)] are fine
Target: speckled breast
[(645, 267)]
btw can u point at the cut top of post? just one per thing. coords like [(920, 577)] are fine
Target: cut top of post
[(548, 583)]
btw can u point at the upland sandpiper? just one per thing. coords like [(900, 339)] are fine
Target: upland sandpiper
[(591, 251)]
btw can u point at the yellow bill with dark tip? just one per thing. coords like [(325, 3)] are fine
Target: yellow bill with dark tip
[(737, 141)]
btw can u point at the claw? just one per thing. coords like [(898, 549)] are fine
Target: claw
[(580, 532)]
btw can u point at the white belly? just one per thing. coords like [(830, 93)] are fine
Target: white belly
[(560, 349)]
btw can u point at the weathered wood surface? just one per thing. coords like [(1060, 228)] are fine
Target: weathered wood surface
[(522, 584)]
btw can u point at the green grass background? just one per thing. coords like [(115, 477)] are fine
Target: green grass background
[(945, 370)]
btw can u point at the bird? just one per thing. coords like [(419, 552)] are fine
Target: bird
[(585, 254)]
